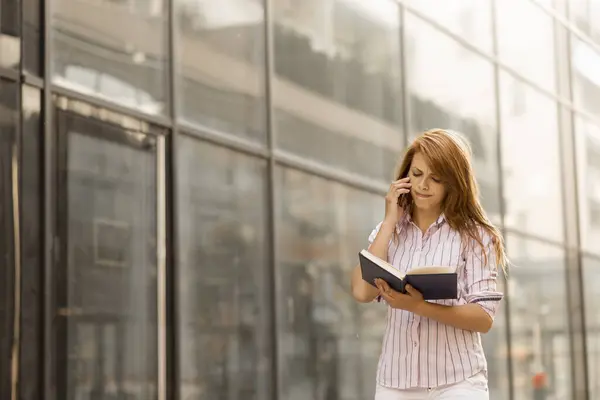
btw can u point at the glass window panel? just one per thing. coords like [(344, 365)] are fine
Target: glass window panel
[(337, 92), (532, 190), (555, 5), (470, 19), (459, 96), (495, 347), (107, 279), (588, 169), (223, 254), (8, 131), (526, 40), (586, 14), (539, 319), (114, 50), (328, 343), (591, 280), (585, 64), (31, 245), (579, 11), (10, 44), (32, 36), (594, 17), (221, 69)]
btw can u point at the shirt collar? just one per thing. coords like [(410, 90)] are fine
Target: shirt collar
[(407, 218), (441, 219)]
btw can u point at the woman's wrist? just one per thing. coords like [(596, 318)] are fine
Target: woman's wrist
[(421, 308), (388, 225)]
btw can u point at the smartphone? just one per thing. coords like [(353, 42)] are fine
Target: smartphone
[(404, 199)]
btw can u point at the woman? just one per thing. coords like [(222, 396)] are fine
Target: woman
[(432, 349)]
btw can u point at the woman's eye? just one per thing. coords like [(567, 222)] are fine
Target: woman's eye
[(436, 180), (416, 174)]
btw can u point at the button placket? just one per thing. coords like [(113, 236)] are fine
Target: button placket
[(418, 248), (414, 333)]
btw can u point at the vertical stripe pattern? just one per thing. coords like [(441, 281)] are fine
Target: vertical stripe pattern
[(418, 351)]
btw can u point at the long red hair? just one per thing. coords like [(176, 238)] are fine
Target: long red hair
[(449, 155)]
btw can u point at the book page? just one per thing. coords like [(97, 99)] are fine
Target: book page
[(434, 269), (383, 264)]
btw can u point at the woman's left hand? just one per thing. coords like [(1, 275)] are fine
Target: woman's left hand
[(409, 302)]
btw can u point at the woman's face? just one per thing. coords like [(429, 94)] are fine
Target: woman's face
[(428, 192)]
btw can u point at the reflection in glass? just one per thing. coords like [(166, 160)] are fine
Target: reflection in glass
[(221, 67), (539, 320), (526, 40), (32, 36), (457, 95), (8, 132), (469, 19), (585, 62), (328, 344), (591, 286), (10, 44), (586, 14), (337, 85), (31, 244), (532, 187), (495, 347), (114, 50), (107, 286), (588, 169), (222, 255)]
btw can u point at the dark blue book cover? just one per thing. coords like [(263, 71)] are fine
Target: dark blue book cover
[(434, 283)]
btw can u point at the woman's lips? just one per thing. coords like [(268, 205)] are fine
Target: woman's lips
[(422, 196)]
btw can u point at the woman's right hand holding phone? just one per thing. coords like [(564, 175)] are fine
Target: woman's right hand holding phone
[(361, 290), (393, 212)]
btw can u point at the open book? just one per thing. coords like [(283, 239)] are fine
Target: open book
[(434, 283)]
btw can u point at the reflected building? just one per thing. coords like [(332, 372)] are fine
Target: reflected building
[(186, 185)]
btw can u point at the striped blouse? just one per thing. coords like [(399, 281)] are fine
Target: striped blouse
[(418, 351)]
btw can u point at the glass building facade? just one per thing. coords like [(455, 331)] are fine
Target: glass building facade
[(185, 186)]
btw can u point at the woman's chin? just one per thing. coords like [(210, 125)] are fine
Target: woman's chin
[(425, 204)]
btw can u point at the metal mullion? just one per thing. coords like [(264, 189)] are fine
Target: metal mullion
[(575, 286), (574, 266), (159, 121), (10, 74), (48, 223), (565, 128), (32, 80), (226, 140), (404, 74), (17, 272), (501, 191), (328, 173), (271, 337), (162, 269), (21, 67), (173, 355), (574, 279)]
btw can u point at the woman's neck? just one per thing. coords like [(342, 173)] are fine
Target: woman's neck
[(424, 218)]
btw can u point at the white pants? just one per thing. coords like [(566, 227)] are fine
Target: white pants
[(472, 388)]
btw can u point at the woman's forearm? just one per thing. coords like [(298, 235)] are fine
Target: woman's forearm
[(361, 290), (381, 244), (469, 317)]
